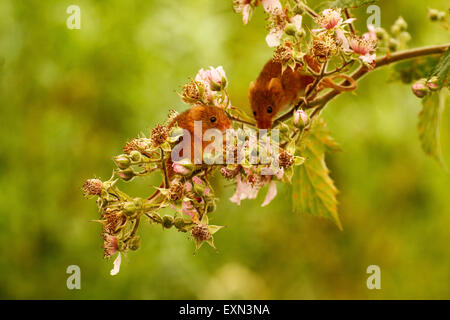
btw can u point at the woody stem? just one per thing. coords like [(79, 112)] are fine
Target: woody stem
[(380, 62)]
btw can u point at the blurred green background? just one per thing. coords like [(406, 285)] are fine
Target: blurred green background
[(70, 99)]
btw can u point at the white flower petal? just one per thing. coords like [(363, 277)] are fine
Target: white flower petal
[(116, 263), (297, 21), (271, 194), (274, 37), (271, 5)]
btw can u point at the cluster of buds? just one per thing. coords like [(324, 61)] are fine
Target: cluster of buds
[(436, 15), (207, 88), (423, 86)]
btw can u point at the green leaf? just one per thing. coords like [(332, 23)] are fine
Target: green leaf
[(429, 124), (349, 3), (442, 70), (314, 191)]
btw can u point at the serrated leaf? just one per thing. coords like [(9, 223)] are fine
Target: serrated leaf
[(314, 191), (349, 3), (442, 70), (429, 124)]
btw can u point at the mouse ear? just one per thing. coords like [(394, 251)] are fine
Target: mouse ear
[(252, 87), (275, 86)]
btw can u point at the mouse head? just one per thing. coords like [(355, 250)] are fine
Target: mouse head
[(211, 117), (265, 102)]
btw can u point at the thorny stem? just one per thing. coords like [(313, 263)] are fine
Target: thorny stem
[(362, 70), (380, 62), (348, 16), (303, 101), (308, 10), (163, 164)]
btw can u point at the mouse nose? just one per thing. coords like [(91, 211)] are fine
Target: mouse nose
[(264, 124)]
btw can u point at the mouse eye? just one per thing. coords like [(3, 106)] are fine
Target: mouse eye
[(254, 113), (213, 119), (269, 109)]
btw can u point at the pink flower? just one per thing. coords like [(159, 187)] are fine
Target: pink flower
[(371, 35), (197, 180), (244, 7), (180, 169), (247, 190), (331, 19), (270, 6), (342, 39), (213, 78), (363, 47), (188, 186), (188, 209), (271, 193)]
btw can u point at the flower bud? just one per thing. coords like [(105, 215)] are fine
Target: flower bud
[(126, 174), (393, 44), (301, 119), (420, 88), (400, 25), (436, 15), (183, 169), (433, 83), (179, 223), (122, 161), (135, 156), (167, 221), (134, 243), (290, 29), (129, 208), (298, 9)]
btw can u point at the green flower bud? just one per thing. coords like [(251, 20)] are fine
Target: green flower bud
[(433, 84), (135, 156), (167, 221), (129, 208), (298, 9), (393, 45), (134, 243), (126, 174), (122, 161), (179, 223), (290, 29)]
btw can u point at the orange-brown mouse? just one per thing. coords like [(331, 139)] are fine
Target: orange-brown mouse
[(211, 117), (273, 90)]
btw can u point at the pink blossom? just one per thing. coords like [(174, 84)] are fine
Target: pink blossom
[(188, 186), (271, 193), (371, 35), (331, 19), (271, 6), (244, 7), (342, 39), (188, 209), (206, 191), (364, 48), (213, 78), (180, 169), (197, 180)]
